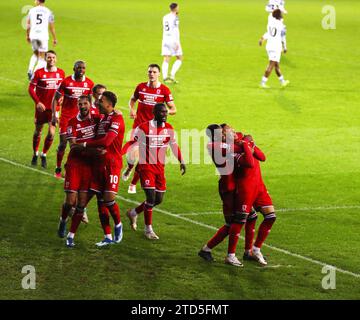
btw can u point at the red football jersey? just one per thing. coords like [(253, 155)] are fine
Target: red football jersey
[(148, 97), (44, 84), (72, 90), (153, 143), (113, 122), (81, 131)]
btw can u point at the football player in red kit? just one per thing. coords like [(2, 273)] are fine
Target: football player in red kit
[(80, 129), (153, 138), (106, 170), (71, 89), (42, 88), (228, 150), (97, 91), (147, 94), (251, 193)]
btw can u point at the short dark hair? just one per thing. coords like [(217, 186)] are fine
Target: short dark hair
[(158, 106), (154, 65), (50, 51), (78, 62), (277, 14), (173, 5), (98, 86), (42, 1), (85, 96), (111, 97), (210, 130)]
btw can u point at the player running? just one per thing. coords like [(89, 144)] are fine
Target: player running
[(171, 43), (71, 88), (147, 94), (227, 150), (106, 170), (38, 22), (275, 29), (153, 138), (80, 129), (42, 88)]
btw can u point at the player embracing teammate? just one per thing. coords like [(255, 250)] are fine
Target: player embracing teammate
[(241, 189)]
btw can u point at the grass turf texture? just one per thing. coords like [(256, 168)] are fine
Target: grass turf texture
[(310, 133)]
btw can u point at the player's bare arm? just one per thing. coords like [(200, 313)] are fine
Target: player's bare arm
[(54, 102), (172, 107), (52, 30), (132, 110), (28, 30)]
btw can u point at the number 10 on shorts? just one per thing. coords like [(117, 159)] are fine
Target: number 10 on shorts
[(114, 178)]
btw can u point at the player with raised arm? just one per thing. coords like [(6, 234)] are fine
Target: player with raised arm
[(273, 35), (38, 22), (42, 88), (251, 193), (171, 43), (227, 150), (153, 137), (147, 94), (106, 171), (78, 168), (71, 88)]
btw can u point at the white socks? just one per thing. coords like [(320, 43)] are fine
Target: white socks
[(165, 69), (33, 62), (281, 79), (109, 236), (176, 66), (206, 248), (263, 80), (148, 228)]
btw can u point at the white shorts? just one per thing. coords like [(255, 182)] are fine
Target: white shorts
[(40, 45), (168, 49), (274, 55)]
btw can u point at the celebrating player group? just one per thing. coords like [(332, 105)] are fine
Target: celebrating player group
[(87, 119)]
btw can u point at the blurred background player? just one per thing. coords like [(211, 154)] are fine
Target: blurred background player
[(275, 28), (71, 88), (275, 4), (171, 43), (42, 88), (97, 91), (106, 171), (148, 94), (38, 22), (154, 138)]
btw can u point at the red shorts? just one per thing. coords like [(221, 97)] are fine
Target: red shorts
[(105, 176), (42, 117), (77, 176), (248, 197), (152, 180), (63, 124)]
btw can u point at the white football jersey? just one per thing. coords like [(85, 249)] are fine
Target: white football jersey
[(275, 4), (275, 31), (40, 17), (171, 27)]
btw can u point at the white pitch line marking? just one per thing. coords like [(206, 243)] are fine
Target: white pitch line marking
[(12, 80), (356, 275)]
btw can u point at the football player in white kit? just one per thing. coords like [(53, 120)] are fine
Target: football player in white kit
[(38, 22), (273, 47), (171, 43), (270, 7)]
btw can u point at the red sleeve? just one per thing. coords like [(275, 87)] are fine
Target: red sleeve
[(32, 88), (258, 154), (168, 95), (70, 130), (136, 92), (245, 159), (105, 141), (126, 146), (61, 88)]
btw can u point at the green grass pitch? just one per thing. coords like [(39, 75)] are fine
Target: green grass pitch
[(310, 133)]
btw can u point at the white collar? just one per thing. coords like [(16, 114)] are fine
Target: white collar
[(82, 80), (152, 123), (46, 69)]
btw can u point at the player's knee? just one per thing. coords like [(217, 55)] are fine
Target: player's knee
[(67, 206), (79, 209), (270, 217), (109, 203), (252, 216), (240, 217)]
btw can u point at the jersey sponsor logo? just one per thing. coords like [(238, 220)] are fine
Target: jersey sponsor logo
[(44, 76), (115, 125)]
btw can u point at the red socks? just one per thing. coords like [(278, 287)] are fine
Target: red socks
[(104, 217), (264, 229), (65, 210), (76, 219), (36, 142), (219, 236), (47, 144), (135, 178), (114, 211), (148, 208), (250, 231), (140, 208), (59, 157), (234, 234)]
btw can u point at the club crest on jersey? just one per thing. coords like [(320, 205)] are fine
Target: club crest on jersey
[(44, 76), (165, 131), (158, 91), (57, 75), (147, 182), (144, 89), (78, 125), (85, 85)]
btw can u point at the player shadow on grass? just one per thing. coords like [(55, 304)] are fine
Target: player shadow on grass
[(287, 104)]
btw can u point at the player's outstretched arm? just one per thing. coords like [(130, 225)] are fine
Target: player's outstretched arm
[(172, 108), (28, 30), (177, 153), (52, 30)]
